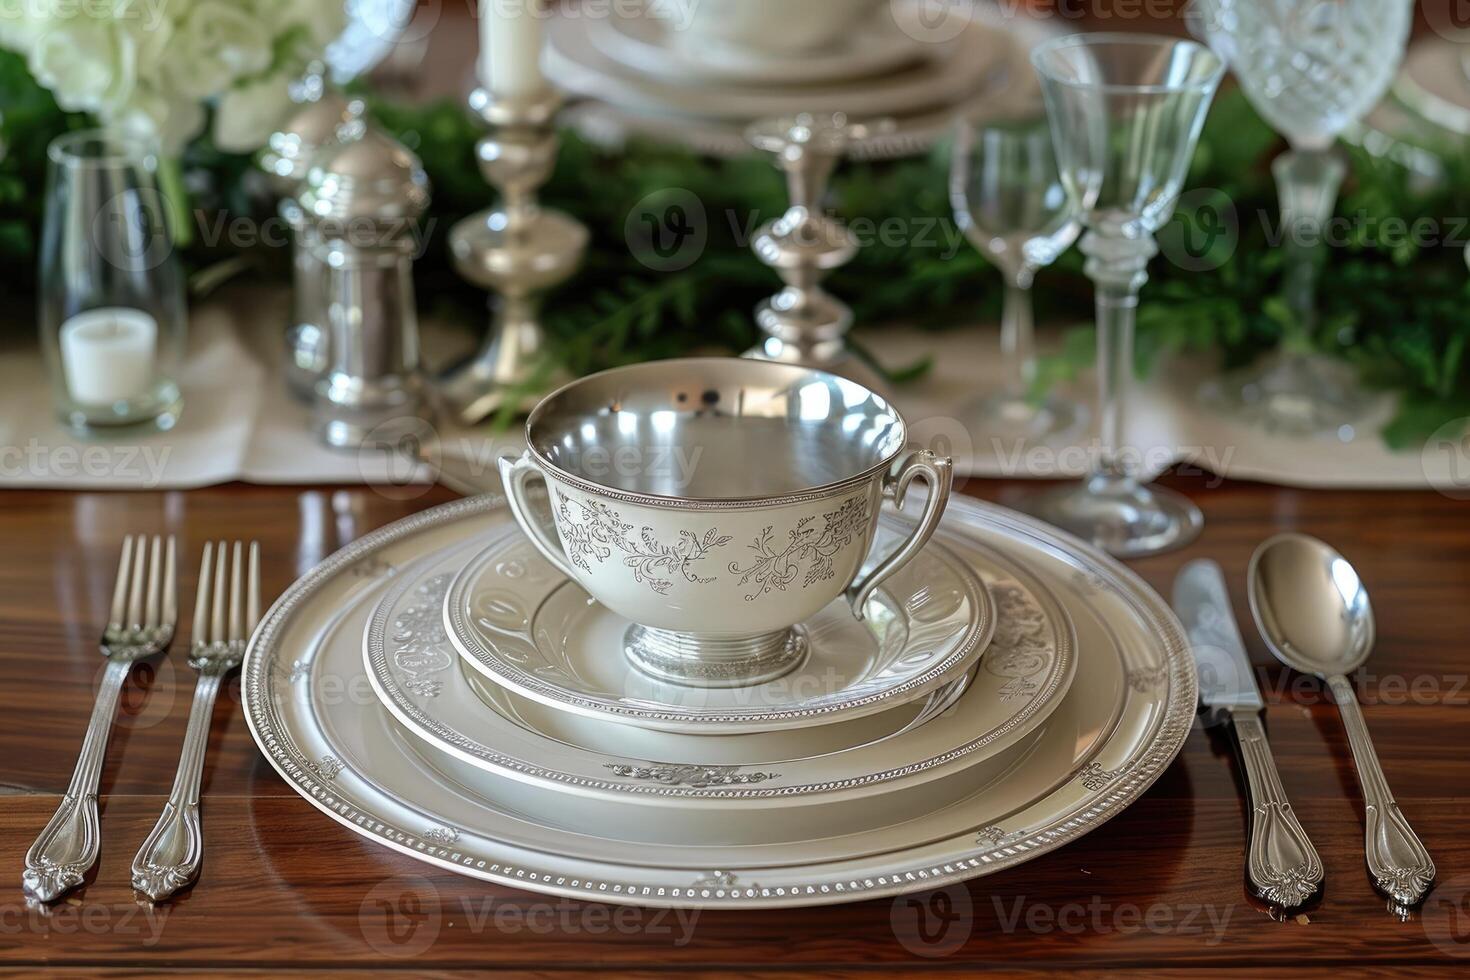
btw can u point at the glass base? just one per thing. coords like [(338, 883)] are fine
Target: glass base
[(1011, 417), (1121, 516), (158, 413), (1294, 394)]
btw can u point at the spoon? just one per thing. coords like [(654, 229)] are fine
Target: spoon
[(1313, 612)]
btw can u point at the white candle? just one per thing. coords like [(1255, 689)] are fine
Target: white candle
[(107, 354), (510, 47)]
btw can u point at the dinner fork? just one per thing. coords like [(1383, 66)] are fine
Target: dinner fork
[(170, 856), (140, 625)]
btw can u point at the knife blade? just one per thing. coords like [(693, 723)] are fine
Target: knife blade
[(1281, 863), (1226, 677)]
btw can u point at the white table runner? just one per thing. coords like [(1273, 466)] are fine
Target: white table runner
[(240, 424)]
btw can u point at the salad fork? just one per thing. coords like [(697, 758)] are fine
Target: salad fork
[(170, 856), (140, 625)]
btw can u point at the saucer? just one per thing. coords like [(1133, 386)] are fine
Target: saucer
[(525, 626)]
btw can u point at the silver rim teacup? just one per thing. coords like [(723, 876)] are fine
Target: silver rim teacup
[(716, 503)]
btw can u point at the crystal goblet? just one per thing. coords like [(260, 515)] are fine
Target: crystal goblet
[(1009, 201), (1311, 68), (1126, 112)]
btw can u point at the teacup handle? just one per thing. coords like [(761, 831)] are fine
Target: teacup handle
[(514, 472), (938, 472)]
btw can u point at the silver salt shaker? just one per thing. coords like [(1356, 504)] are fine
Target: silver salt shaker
[(363, 197), (286, 160)]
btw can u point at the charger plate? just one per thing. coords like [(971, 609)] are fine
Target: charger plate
[(409, 663), (530, 629), (311, 712)]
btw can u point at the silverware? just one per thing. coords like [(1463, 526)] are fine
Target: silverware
[(140, 625), (169, 858), (1314, 614), (1281, 862)]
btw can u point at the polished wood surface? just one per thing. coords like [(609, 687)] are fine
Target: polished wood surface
[(1160, 887)]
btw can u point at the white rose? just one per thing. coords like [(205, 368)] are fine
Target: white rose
[(217, 44), (247, 115), (171, 122), (88, 65)]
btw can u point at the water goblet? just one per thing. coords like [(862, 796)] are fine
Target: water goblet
[(1311, 68), (1126, 112), (1009, 201)]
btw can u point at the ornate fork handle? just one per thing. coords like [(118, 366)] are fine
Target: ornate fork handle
[(1398, 861), (170, 856), (1282, 863), (68, 845)]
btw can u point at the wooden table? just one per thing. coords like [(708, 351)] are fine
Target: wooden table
[(1159, 887)]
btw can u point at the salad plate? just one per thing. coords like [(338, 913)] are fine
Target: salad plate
[(313, 716), (528, 628)]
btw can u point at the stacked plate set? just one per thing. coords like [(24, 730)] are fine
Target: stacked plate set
[(700, 73), (717, 650)]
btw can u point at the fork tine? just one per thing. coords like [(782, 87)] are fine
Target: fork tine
[(217, 619), (201, 600), (155, 583), (120, 588), (135, 584), (170, 585), (237, 588), (252, 605)]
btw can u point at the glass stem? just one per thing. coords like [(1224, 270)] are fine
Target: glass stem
[(1017, 335), (1307, 182), (1117, 269)]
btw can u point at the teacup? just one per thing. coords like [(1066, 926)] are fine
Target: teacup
[(717, 503), (780, 27)]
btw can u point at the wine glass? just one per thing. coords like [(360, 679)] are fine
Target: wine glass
[(1009, 201), (1126, 112), (1311, 68)]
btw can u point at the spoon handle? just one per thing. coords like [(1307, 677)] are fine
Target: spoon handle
[(1397, 859)]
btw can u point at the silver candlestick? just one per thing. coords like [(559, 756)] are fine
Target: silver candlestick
[(518, 250), (803, 323)]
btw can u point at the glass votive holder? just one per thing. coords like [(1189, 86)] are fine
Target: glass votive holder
[(112, 314)]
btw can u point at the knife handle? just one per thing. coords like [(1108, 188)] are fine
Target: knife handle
[(1281, 863)]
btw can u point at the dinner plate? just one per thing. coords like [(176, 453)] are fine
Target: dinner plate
[(529, 628), (308, 707), (1030, 663)]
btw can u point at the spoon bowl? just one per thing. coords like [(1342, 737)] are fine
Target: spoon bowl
[(1310, 606)]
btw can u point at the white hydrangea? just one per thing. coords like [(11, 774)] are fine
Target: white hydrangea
[(153, 65)]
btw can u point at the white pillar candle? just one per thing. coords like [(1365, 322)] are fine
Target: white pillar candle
[(510, 47), (107, 354)]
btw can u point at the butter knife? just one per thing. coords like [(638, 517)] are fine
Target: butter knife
[(1281, 862)]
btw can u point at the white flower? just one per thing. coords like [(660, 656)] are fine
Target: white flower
[(89, 65), (217, 45), (171, 121), (249, 113)]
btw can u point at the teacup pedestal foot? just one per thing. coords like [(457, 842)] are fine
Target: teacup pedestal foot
[(703, 660)]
